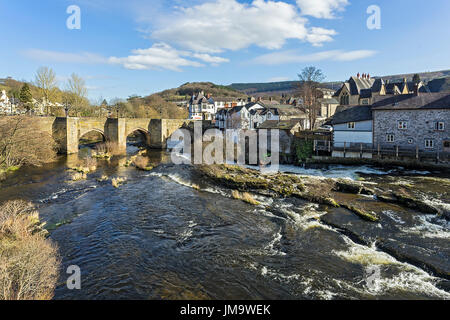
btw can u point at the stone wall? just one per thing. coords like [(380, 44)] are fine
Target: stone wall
[(420, 127)]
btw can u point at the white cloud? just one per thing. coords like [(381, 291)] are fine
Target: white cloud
[(210, 59), (322, 8), (229, 25), (163, 56), (318, 36), (286, 57), (159, 56)]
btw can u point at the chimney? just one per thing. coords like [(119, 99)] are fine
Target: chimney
[(208, 95), (368, 76), (358, 75), (404, 80), (259, 98)]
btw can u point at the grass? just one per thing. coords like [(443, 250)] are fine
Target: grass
[(245, 196), (141, 163), (117, 182), (78, 176)]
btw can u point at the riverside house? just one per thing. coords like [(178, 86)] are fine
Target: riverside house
[(411, 124), (415, 121), (352, 128), (252, 115)]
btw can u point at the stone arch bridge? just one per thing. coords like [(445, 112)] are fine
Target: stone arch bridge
[(68, 131)]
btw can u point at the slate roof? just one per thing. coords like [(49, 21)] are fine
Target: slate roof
[(439, 100), (366, 93), (275, 124), (353, 114), (330, 101)]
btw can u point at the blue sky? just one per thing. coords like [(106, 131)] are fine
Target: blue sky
[(141, 47)]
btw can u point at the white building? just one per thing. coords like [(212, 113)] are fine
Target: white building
[(352, 128), (5, 104), (201, 107)]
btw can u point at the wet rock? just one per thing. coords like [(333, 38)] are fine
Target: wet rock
[(368, 216), (408, 201), (347, 186)]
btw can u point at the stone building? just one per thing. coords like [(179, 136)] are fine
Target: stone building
[(414, 120), (361, 90)]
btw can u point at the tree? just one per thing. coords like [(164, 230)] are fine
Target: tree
[(25, 96), (310, 79), (76, 86), (416, 78), (45, 80)]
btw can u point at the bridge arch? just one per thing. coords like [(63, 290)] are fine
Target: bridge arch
[(81, 134), (144, 136)]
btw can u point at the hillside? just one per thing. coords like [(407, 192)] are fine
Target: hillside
[(188, 89), (440, 78), (275, 88)]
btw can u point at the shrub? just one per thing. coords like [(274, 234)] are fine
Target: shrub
[(29, 262), (140, 162), (117, 182), (108, 149)]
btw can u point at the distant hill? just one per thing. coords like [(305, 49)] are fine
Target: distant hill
[(185, 91), (440, 78)]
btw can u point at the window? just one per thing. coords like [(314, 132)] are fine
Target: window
[(345, 99), (351, 125), (429, 144), (439, 126), (402, 125), (365, 101), (410, 141), (390, 138)]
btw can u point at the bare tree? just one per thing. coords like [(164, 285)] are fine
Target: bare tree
[(45, 80), (76, 87), (310, 79)]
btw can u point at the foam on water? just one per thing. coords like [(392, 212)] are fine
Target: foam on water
[(391, 214), (429, 226), (409, 278), (308, 218), (271, 245)]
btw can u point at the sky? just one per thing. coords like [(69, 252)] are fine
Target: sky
[(138, 47)]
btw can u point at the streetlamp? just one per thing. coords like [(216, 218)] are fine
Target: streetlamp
[(66, 110)]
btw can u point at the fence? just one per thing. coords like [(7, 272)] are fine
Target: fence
[(380, 151)]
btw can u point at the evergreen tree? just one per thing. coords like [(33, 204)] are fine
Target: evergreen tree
[(25, 96)]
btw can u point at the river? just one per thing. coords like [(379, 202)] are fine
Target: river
[(158, 237)]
